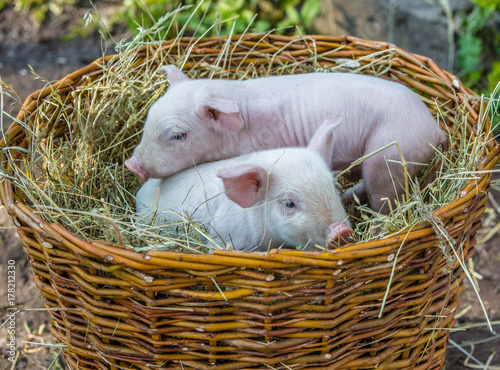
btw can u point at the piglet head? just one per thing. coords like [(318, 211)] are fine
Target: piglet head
[(339, 231), (294, 196), (186, 126)]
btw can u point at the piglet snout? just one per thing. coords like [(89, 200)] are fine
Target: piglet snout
[(339, 233), (134, 165)]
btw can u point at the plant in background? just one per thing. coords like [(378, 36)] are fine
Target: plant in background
[(236, 15), (479, 41), (38, 9)]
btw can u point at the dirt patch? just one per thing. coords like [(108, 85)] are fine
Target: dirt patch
[(22, 44)]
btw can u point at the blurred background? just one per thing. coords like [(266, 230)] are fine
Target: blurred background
[(41, 41)]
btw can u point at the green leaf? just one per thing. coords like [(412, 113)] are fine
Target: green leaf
[(3, 3), (39, 14), (287, 3), (292, 15), (56, 9), (229, 8), (489, 5), (309, 11), (494, 76), (262, 25), (246, 16), (469, 52)]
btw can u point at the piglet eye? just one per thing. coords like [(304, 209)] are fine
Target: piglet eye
[(289, 204), (178, 136)]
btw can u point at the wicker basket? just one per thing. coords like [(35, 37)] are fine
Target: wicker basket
[(285, 309)]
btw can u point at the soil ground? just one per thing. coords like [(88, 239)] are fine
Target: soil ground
[(23, 44)]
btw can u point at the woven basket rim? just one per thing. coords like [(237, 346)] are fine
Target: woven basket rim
[(155, 259)]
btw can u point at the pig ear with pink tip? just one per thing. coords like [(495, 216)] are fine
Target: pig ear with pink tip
[(174, 74), (222, 114), (245, 185), (322, 141)]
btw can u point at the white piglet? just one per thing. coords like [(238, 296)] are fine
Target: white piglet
[(198, 121), (282, 197)]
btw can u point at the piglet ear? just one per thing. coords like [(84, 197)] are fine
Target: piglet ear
[(174, 74), (222, 114), (322, 141), (245, 185)]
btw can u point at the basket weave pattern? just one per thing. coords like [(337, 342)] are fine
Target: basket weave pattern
[(117, 309)]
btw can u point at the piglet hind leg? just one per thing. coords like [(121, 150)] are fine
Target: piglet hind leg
[(384, 182), (357, 191)]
